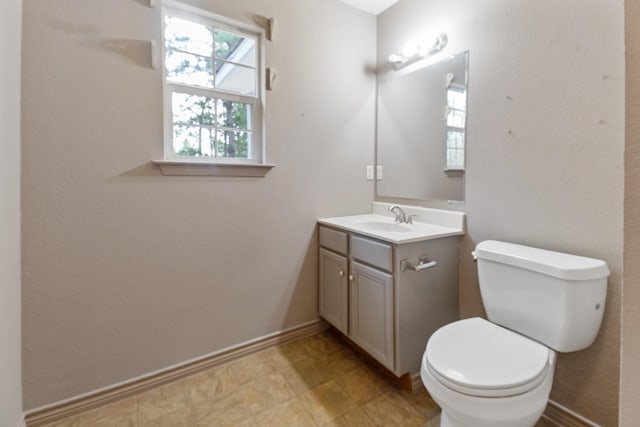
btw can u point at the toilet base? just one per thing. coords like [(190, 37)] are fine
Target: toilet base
[(445, 421)]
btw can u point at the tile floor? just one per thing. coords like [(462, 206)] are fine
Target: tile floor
[(315, 381)]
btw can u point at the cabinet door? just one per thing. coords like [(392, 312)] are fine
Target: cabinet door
[(334, 291), (371, 312)]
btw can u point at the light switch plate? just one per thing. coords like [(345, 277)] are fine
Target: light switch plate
[(369, 172)]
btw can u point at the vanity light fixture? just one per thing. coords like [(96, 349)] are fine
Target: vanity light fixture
[(408, 57)]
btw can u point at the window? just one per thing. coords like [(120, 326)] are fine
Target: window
[(456, 120), (213, 88)]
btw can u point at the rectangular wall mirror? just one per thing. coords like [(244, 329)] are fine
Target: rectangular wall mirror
[(421, 135)]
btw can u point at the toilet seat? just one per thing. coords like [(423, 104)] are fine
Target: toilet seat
[(478, 358)]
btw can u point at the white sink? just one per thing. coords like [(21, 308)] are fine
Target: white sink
[(429, 224), (385, 226)]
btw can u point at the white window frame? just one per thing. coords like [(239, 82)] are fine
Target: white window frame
[(452, 168), (185, 165)]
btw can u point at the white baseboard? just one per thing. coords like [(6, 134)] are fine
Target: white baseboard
[(565, 417), (104, 396)]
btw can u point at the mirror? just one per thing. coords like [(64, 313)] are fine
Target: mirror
[(422, 131)]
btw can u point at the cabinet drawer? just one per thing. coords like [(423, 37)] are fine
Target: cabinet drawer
[(372, 252), (334, 240)]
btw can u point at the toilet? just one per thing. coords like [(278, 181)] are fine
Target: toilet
[(498, 372)]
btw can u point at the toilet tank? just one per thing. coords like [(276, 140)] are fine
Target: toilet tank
[(555, 298)]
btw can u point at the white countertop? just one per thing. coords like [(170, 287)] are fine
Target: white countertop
[(384, 227)]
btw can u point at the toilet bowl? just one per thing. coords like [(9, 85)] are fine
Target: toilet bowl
[(505, 384), (499, 372)]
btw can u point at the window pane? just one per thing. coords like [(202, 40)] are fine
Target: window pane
[(457, 99), (449, 157), (189, 69), (235, 48), (193, 109), (455, 139), (193, 141), (189, 36), (235, 78), (459, 158), (455, 158), (234, 115), (456, 118), (234, 144)]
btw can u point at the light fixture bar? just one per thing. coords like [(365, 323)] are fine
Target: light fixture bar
[(400, 61)]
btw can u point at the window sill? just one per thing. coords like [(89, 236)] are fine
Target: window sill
[(453, 173), (190, 168)]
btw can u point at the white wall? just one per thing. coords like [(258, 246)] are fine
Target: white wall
[(630, 370), (10, 364), (127, 271), (545, 147)]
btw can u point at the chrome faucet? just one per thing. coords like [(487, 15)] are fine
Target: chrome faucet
[(401, 216)]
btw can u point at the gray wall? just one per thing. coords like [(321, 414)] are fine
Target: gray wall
[(127, 271), (630, 387), (10, 364), (545, 148)]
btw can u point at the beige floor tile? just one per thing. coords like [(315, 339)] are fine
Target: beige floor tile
[(232, 410), (70, 422), (326, 402), (181, 418), (162, 401), (283, 356), (353, 418), (339, 364), (267, 391), (391, 410), (119, 414), (325, 358), (277, 360), (213, 384), (303, 375), (314, 381), (250, 367), (362, 385), (422, 401), (333, 340), (248, 422), (435, 422), (322, 343), (290, 413)]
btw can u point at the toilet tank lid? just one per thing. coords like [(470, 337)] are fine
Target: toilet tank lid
[(556, 264)]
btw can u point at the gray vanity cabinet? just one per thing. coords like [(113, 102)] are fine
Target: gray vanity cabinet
[(371, 311), (333, 295), (386, 309), (358, 301)]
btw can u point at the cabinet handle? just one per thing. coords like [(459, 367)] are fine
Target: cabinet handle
[(425, 264), (341, 273), (351, 277)]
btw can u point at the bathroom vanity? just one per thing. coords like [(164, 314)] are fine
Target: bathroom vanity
[(388, 286)]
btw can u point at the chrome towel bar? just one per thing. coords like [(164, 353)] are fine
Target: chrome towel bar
[(425, 263)]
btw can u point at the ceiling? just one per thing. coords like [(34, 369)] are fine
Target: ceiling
[(371, 6)]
